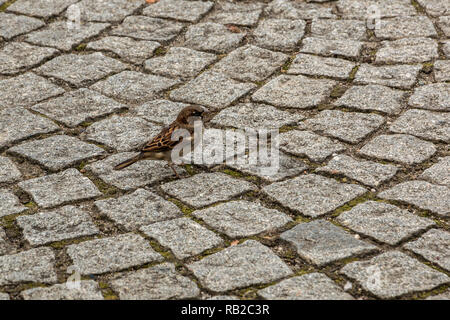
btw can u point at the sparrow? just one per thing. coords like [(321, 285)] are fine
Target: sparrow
[(160, 147)]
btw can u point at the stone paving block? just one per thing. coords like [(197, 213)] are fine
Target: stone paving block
[(327, 47), (40, 8), (443, 296), (279, 34), (108, 11), (64, 223), (291, 91), (59, 188), (306, 143), (243, 265), (401, 148), (9, 203), (433, 246), (242, 218), (358, 9), (135, 51), (424, 124), (211, 89), (250, 63), (4, 247), (399, 76), (79, 70), (442, 70), (351, 127), (321, 242), (339, 29), (17, 124), (122, 133), (147, 28), (236, 13), (59, 36), (421, 194), (313, 195), (180, 62), (138, 209), (372, 97), (207, 188), (408, 50), (438, 173), (160, 111), (223, 298), (111, 254), (132, 86), (8, 171), (294, 10), (209, 36), (444, 24), (446, 47), (320, 66), (33, 87), (393, 274), (405, 27), (12, 25), (76, 107), (4, 296), (311, 286), (435, 96), (367, 172), (88, 290), (160, 282), (190, 11), (383, 222), (183, 236), (57, 152), (35, 265), (435, 7)]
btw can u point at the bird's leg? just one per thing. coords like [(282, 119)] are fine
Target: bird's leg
[(171, 166)]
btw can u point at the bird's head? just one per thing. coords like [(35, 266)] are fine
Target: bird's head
[(190, 114)]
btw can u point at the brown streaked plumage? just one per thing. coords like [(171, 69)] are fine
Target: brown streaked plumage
[(161, 146)]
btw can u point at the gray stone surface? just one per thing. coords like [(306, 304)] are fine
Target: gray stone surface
[(8, 171), (88, 290), (320, 66), (398, 76), (438, 173), (393, 274), (190, 11), (111, 254), (287, 9), (435, 7), (4, 245), (435, 96), (160, 111), (405, 27), (12, 25), (358, 9), (339, 29), (249, 263), (444, 24), (214, 37), (312, 195), (279, 34), (442, 70), (236, 13), (443, 296), (147, 28), (40, 8), (9, 203), (328, 47), (111, 10), (4, 296), (446, 48), (408, 50), (59, 188)]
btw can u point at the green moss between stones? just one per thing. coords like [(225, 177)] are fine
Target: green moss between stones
[(185, 209), (160, 51), (6, 5), (351, 77), (81, 47)]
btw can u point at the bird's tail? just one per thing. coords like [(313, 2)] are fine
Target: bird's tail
[(128, 162)]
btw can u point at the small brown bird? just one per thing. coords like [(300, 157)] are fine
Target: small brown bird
[(161, 146)]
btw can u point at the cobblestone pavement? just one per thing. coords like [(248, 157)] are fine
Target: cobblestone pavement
[(358, 210)]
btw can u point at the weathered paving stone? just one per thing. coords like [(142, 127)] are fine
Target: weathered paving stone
[(209, 36), (180, 62), (399, 76), (183, 236), (57, 152), (8, 171), (76, 107), (138, 209), (241, 14), (122, 133), (52, 190), (138, 175), (223, 298), (108, 11), (443, 296), (309, 144), (190, 11), (313, 195), (160, 282), (135, 51), (211, 89), (320, 66), (339, 29), (372, 97), (421, 194), (250, 63), (438, 173), (408, 50), (367, 172), (9, 203), (446, 48), (35, 265), (249, 263), (242, 218), (294, 91), (88, 290), (279, 34), (424, 124), (4, 247), (17, 124), (399, 148), (40, 8), (444, 25), (383, 222), (206, 188), (12, 25), (358, 9), (147, 28), (311, 286), (442, 70), (294, 10), (160, 111), (393, 274), (435, 96), (33, 88), (81, 69), (4, 296), (328, 47), (57, 35), (405, 27), (348, 126), (132, 86), (435, 7), (433, 246), (111, 254)]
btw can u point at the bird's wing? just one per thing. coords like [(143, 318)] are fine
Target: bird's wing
[(163, 141)]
